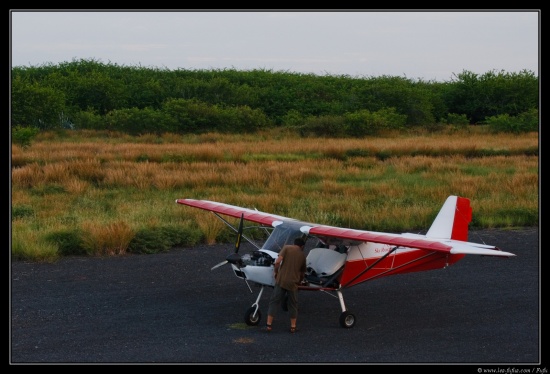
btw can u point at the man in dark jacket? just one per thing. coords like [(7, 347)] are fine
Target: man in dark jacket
[(290, 269)]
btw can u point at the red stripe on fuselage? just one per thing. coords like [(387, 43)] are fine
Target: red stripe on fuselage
[(408, 262)]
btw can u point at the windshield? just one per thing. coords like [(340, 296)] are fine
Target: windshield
[(281, 235)]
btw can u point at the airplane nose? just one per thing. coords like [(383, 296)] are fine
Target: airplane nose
[(235, 258)]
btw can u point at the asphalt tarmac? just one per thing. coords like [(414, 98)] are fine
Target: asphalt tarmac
[(482, 313)]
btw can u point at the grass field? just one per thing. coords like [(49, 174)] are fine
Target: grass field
[(90, 193)]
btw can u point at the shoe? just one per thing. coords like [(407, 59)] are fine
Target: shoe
[(268, 327), (293, 329)]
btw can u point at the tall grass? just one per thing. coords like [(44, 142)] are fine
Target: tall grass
[(27, 243), (90, 196)]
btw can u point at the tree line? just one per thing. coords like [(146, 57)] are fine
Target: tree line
[(88, 94)]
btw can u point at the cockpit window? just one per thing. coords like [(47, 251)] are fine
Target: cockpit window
[(280, 236)]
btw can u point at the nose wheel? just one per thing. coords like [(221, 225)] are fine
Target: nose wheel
[(252, 316)]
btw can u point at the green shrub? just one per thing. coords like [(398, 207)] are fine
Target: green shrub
[(181, 236), (140, 121), (68, 242), (364, 122), (457, 119), (21, 211), (325, 126), (23, 136), (524, 122), (88, 120), (293, 118), (530, 120), (161, 239)]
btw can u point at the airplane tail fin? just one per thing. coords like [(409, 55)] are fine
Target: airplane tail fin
[(452, 220)]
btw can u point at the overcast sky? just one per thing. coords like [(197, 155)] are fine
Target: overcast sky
[(427, 45)]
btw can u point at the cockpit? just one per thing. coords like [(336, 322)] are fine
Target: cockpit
[(281, 235)]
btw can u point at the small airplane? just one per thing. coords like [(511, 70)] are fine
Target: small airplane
[(342, 257)]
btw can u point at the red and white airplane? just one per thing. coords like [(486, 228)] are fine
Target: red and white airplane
[(343, 257)]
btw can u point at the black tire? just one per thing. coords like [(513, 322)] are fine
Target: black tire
[(347, 320), (252, 319)]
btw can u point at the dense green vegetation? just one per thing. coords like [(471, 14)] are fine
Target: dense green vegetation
[(87, 94), (392, 150)]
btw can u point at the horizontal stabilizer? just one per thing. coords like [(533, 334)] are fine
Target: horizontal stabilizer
[(468, 248)]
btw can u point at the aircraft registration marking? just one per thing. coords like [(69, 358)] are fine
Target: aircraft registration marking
[(383, 249)]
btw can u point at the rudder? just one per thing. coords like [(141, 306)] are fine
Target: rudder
[(452, 220)]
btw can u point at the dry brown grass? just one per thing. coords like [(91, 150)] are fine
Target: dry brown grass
[(235, 149), (111, 188), (210, 227), (107, 239)]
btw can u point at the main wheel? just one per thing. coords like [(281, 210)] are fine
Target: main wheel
[(252, 319), (347, 319)]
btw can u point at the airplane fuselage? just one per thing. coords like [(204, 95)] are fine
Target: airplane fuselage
[(360, 263)]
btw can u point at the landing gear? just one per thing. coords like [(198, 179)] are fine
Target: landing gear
[(347, 319), (252, 316)]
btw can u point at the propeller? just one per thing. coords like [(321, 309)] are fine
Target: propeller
[(218, 265), (239, 234), (234, 258)]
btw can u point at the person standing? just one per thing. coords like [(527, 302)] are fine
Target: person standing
[(289, 269)]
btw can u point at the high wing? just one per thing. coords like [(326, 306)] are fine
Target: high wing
[(409, 240), (234, 211)]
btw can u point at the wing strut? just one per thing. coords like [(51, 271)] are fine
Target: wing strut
[(236, 230), (370, 267), (234, 257)]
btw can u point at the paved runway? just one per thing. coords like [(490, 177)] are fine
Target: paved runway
[(170, 308)]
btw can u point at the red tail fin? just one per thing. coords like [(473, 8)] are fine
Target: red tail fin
[(463, 217), (452, 220)]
